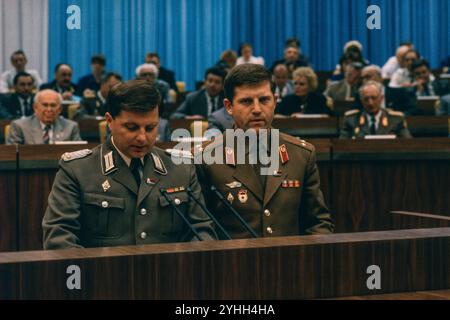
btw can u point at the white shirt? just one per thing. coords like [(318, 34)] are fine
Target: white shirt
[(254, 60), (390, 67), (400, 77), (7, 79)]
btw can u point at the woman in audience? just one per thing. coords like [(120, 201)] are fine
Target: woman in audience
[(246, 52), (305, 100), (227, 60)]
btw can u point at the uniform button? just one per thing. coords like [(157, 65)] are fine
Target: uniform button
[(269, 230), (105, 204), (143, 235), (267, 213), (177, 201), (143, 212)]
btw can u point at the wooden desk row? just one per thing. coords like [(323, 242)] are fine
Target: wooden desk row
[(420, 126), (339, 265), (362, 182)]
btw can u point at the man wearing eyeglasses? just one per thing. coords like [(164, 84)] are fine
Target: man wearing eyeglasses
[(46, 125)]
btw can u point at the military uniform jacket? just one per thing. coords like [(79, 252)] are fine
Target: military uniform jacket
[(290, 203), (356, 126), (95, 202)]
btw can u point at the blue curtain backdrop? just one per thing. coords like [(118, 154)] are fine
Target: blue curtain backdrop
[(189, 35)]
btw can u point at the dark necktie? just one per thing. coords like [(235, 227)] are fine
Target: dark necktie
[(372, 125), (213, 104), (46, 135), (136, 170)]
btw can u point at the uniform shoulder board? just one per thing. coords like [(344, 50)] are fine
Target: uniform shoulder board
[(69, 156), (179, 153), (296, 141), (351, 112), (395, 113)]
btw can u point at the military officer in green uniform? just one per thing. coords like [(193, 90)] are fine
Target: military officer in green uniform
[(286, 202), (373, 120), (120, 193)]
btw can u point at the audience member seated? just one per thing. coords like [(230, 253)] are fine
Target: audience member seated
[(227, 61), (63, 82), (399, 99), (445, 65), (163, 73), (428, 85), (19, 104), (305, 100), (94, 104), (352, 53), (373, 120), (394, 62), (403, 77), (19, 62), (200, 104), (246, 52), (220, 120), (347, 88), (92, 81), (46, 125), (283, 85), (149, 72), (293, 57)]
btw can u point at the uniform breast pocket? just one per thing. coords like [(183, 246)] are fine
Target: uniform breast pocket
[(103, 216), (170, 221)]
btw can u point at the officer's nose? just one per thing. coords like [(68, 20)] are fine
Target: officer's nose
[(256, 107), (142, 136)]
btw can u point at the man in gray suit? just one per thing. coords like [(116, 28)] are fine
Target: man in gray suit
[(348, 87), (45, 125), (220, 120)]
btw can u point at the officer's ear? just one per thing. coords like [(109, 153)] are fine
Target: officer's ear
[(108, 118), (228, 105)]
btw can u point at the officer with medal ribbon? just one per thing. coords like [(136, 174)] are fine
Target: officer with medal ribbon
[(286, 202), (125, 191)]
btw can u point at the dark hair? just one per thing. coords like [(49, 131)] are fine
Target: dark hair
[(21, 74), (246, 74), (153, 54), (420, 63), (98, 59), (220, 72), (356, 65), (20, 51), (243, 45), (110, 75), (290, 42), (133, 96), (59, 65)]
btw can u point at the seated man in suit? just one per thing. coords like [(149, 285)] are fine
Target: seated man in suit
[(284, 86), (293, 57), (200, 104), (19, 62), (92, 81), (373, 120), (347, 88), (95, 105), (394, 62), (399, 99), (46, 125), (428, 85), (163, 73), (149, 72), (19, 104), (63, 82)]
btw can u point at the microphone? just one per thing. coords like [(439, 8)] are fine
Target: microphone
[(236, 214), (180, 214), (213, 218)]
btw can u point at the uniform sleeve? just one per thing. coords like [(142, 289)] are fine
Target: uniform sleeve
[(315, 217), (15, 134), (198, 218), (346, 130), (402, 130), (61, 225)]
